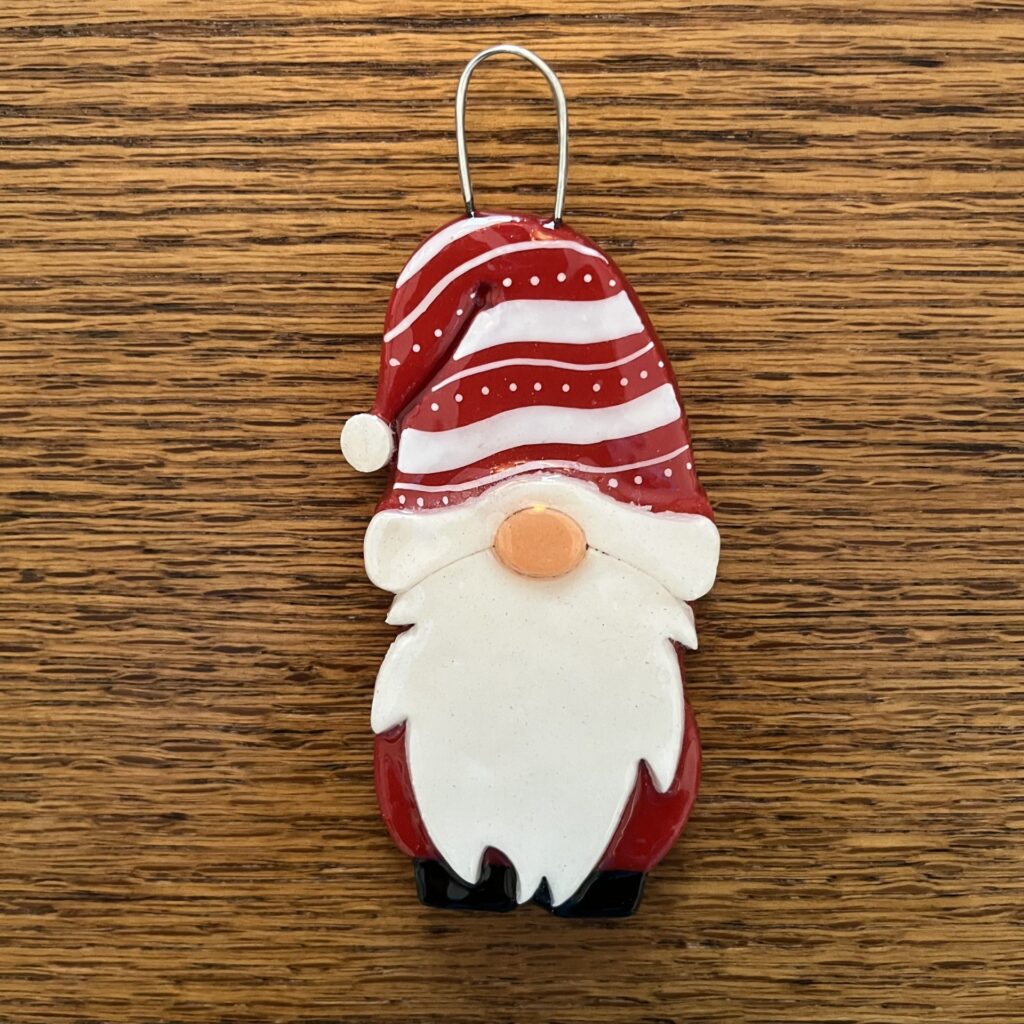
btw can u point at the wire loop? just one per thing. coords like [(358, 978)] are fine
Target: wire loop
[(563, 123)]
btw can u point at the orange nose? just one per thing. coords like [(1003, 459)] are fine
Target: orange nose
[(540, 542)]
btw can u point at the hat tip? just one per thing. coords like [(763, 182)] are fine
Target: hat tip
[(367, 442)]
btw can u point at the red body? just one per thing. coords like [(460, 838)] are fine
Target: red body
[(650, 825)]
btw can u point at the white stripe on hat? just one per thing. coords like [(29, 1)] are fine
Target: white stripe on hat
[(435, 243), (558, 321), (558, 364), (479, 261), (541, 464), (436, 451)]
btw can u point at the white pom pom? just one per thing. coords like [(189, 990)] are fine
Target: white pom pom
[(367, 442)]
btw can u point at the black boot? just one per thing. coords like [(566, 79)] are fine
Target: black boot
[(436, 886), (604, 894)]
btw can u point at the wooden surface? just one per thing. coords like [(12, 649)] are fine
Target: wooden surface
[(204, 207)]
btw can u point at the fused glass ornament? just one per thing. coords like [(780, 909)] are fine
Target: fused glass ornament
[(543, 530)]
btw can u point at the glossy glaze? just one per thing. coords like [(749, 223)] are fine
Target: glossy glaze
[(518, 344), (532, 742), (540, 542)]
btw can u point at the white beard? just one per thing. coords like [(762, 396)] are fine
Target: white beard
[(529, 705)]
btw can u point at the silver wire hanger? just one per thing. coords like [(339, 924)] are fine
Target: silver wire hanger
[(563, 123)]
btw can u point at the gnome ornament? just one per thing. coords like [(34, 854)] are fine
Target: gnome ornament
[(543, 529)]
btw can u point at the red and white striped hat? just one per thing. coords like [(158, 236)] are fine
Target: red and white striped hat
[(516, 351)]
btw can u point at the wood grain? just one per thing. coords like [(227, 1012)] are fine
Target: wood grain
[(205, 205)]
